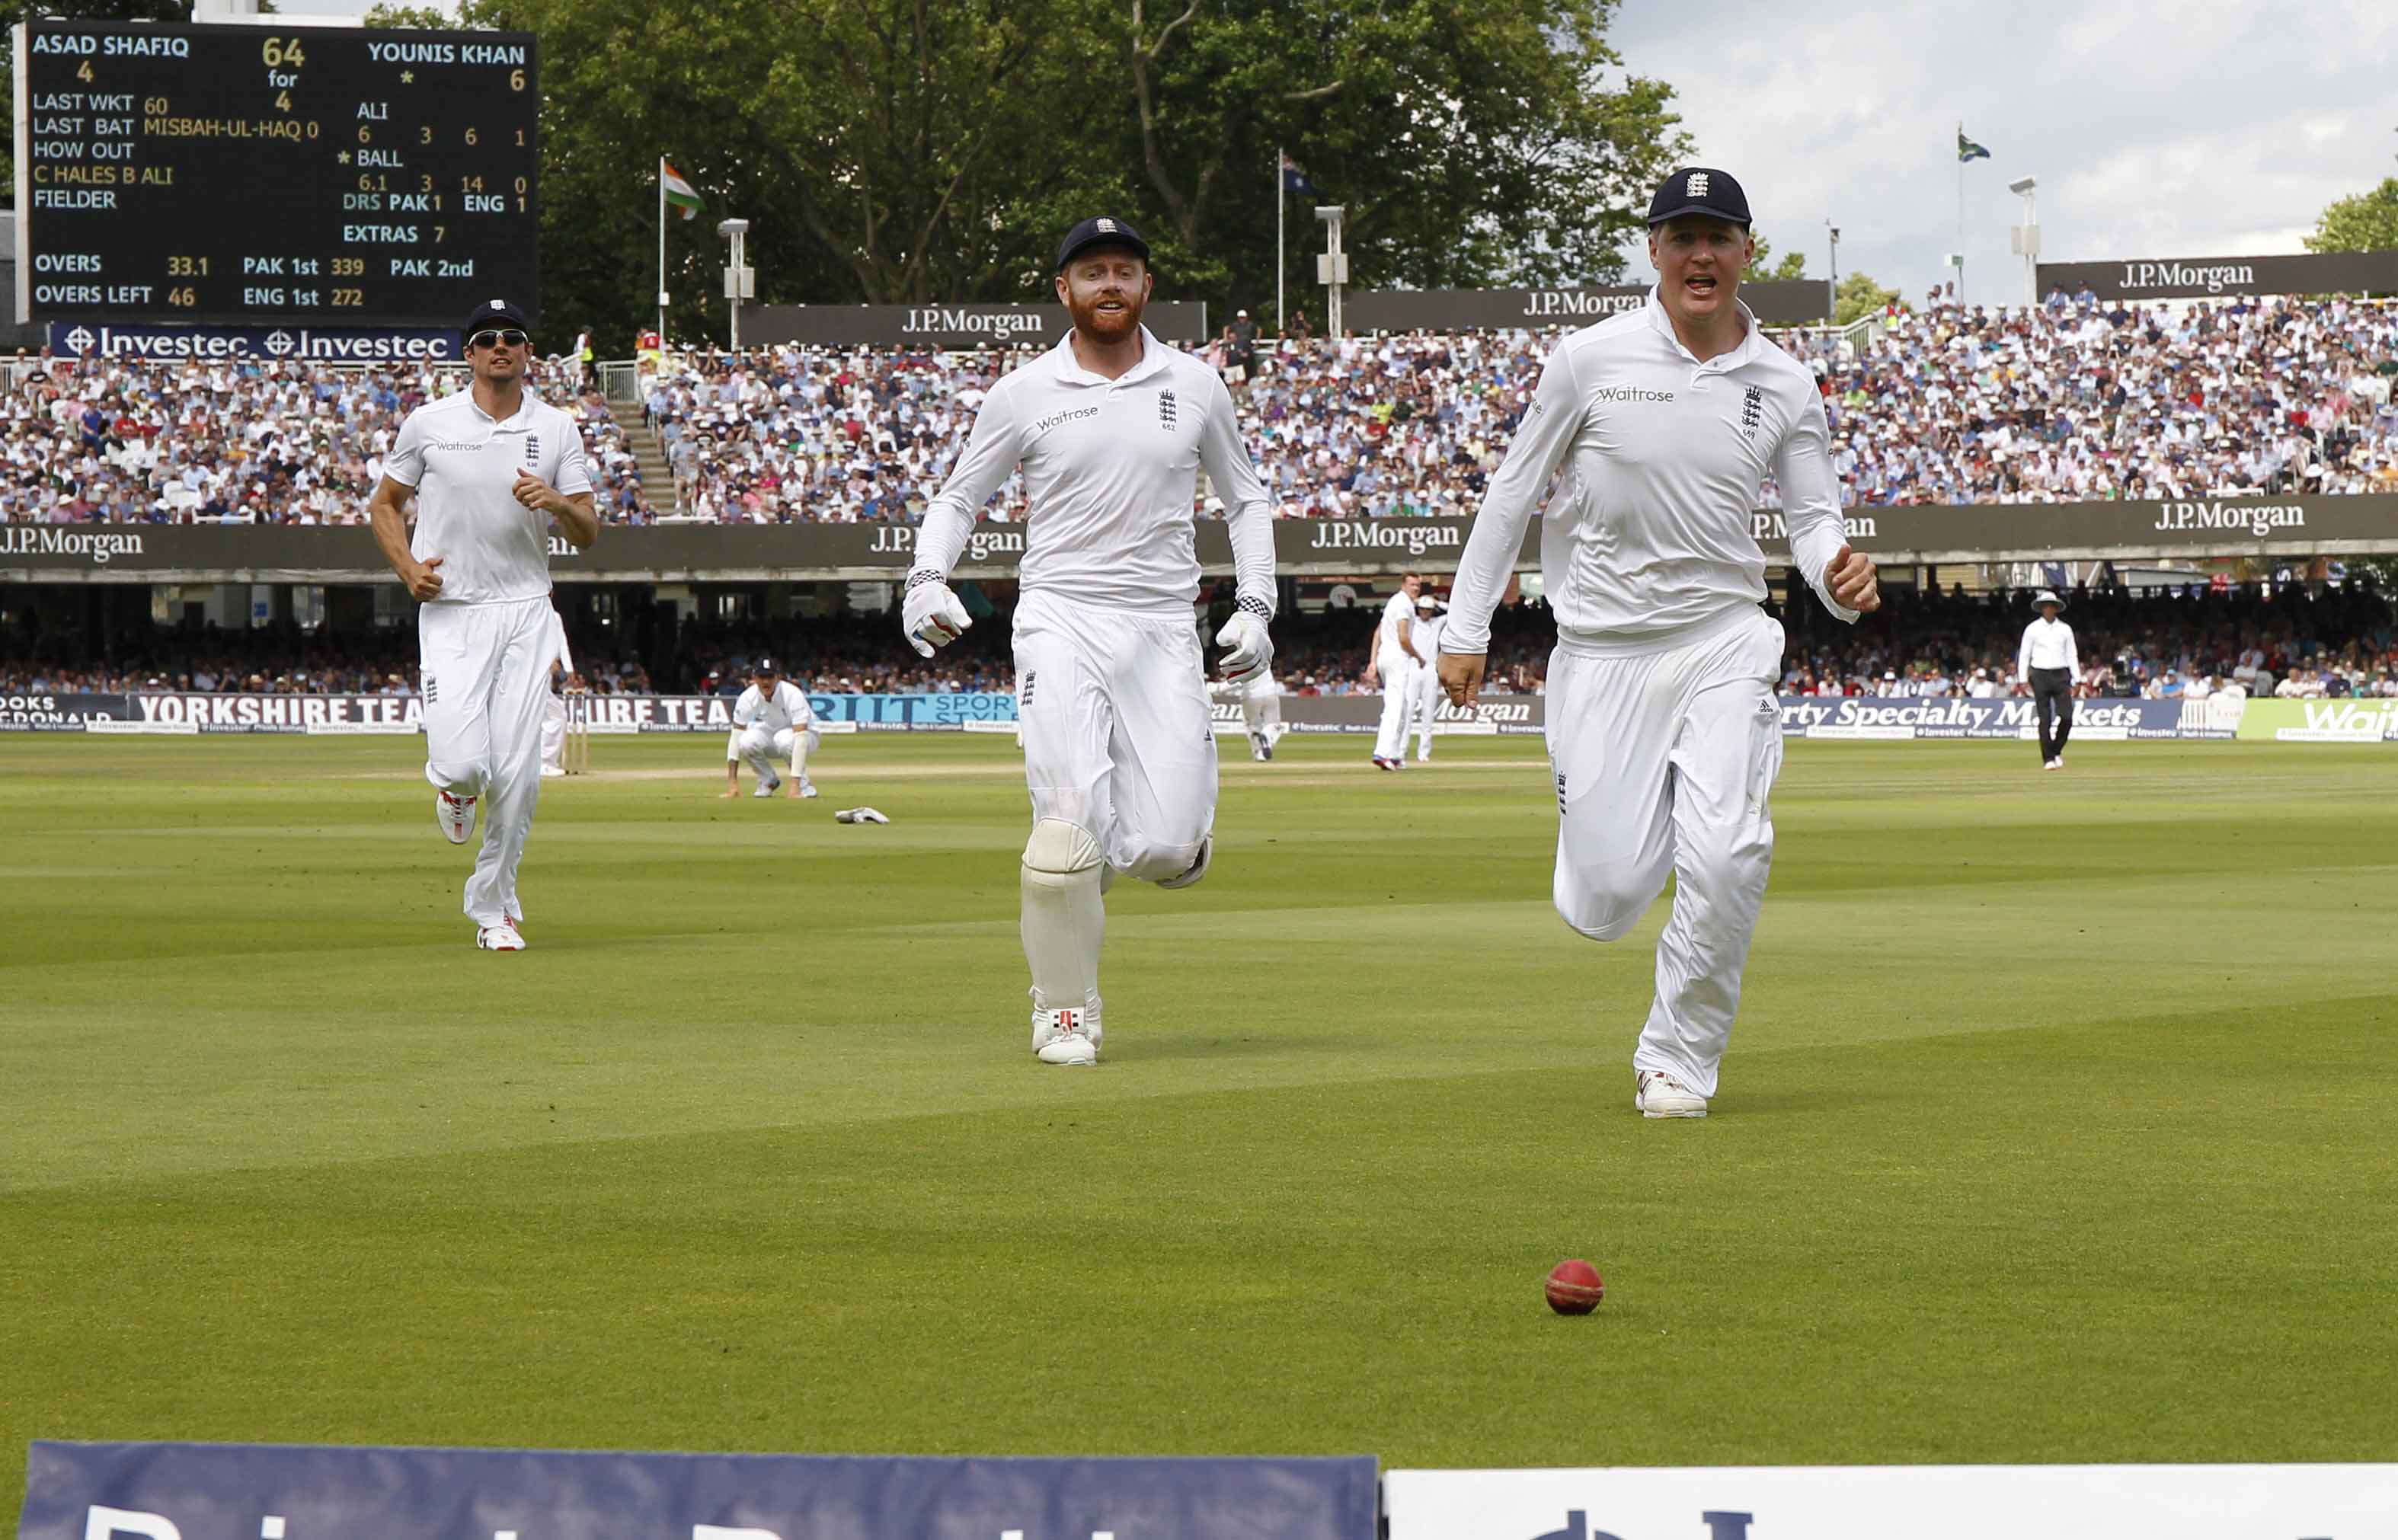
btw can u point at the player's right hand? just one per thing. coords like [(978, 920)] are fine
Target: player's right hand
[(932, 616), (1460, 677), (425, 583)]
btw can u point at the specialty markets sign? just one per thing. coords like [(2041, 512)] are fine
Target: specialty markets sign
[(2217, 277), (2031, 531)]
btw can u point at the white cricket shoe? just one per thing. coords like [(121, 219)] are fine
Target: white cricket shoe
[(1067, 1037), (551, 773), (808, 788), (457, 816), (1189, 876), (769, 786), (499, 938), (2051, 764), (1658, 1094)]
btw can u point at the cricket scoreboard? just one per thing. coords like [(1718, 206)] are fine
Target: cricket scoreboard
[(327, 175)]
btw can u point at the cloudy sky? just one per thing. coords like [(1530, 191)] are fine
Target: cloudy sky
[(2156, 127)]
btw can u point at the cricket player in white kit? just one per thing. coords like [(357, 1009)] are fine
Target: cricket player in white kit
[(490, 468), (772, 721), (1665, 738), (1111, 427), (1387, 664), (1423, 679), (553, 711)]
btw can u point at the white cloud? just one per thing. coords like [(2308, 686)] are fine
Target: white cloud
[(2157, 128)]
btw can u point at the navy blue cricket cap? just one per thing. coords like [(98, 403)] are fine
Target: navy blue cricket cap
[(1699, 190), (495, 313), (766, 668), (1103, 230)]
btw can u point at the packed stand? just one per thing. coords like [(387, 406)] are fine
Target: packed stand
[(2072, 400), (2079, 399), (249, 441)]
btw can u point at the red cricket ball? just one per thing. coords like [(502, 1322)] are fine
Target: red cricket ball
[(1574, 1287)]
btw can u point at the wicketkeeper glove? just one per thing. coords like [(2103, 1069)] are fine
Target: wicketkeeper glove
[(1252, 647), (932, 615)]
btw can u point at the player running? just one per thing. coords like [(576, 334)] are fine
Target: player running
[(1111, 427), (772, 721), (490, 468), (1664, 735)]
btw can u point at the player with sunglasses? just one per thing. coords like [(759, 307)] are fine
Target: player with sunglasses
[(490, 469)]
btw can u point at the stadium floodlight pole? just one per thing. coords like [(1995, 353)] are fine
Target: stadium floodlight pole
[(1282, 244), (738, 285), (1833, 312), (1961, 216), (1332, 268), (2027, 236)]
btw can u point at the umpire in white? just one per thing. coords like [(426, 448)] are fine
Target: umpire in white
[(1664, 736), (2050, 662), (490, 468), (1111, 427)]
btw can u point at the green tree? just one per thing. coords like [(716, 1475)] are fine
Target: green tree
[(1792, 266), (898, 151), (16, 11), (421, 16), (1491, 143), (1858, 297), (2367, 221)]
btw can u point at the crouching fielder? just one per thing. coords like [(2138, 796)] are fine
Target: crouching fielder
[(772, 721), (1664, 736), (1111, 427)]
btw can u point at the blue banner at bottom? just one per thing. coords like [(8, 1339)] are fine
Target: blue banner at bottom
[(268, 1491)]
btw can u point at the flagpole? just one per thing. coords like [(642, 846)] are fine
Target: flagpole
[(1961, 213), (662, 252), (1282, 256)]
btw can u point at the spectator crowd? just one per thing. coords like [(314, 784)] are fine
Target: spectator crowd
[(2298, 639), (2074, 399), (253, 441)]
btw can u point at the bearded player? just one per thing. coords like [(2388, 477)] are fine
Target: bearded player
[(1111, 427), (1663, 735)]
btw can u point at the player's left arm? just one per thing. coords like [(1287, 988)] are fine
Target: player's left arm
[(1843, 577), (1248, 519)]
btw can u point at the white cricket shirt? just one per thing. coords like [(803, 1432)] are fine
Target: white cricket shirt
[(1428, 633), (2046, 644), (1110, 469), (1651, 530), (787, 709), (462, 463), (1388, 654)]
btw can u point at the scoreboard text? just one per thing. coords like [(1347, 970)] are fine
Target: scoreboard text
[(173, 173)]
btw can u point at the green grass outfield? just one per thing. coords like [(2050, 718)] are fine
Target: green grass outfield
[(2058, 1126)]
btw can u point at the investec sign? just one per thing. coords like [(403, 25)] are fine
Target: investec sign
[(317, 344)]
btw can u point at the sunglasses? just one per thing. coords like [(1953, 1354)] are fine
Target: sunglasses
[(495, 335)]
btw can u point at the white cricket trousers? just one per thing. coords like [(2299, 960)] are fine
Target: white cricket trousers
[(1424, 707), (486, 689), (1665, 761), (758, 749), (1118, 735), (1391, 738), (553, 732)]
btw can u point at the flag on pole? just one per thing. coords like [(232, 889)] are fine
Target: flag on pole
[(1294, 178), (678, 193), (1967, 150)]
